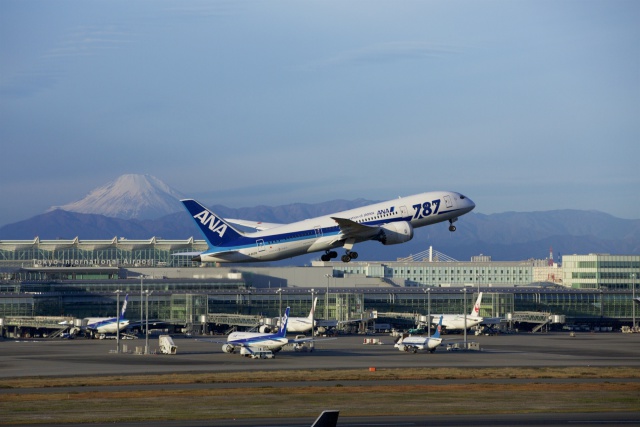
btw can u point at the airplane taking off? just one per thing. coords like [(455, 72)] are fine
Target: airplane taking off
[(421, 343), (456, 321), (107, 325), (389, 223)]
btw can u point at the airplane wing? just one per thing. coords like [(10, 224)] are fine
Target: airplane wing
[(257, 225), (192, 254), (353, 230), (220, 254), (213, 341), (309, 339)]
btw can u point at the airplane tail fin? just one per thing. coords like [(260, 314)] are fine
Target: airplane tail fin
[(327, 419), (282, 332), (313, 308), (124, 307), (438, 329), (214, 229), (475, 311)]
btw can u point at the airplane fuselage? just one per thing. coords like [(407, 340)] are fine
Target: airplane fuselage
[(106, 325), (389, 222), (421, 343), (457, 321), (257, 340), (299, 325)]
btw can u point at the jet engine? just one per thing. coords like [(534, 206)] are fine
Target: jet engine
[(265, 329), (228, 348), (395, 232)]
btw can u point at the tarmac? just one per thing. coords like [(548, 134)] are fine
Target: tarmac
[(82, 357)]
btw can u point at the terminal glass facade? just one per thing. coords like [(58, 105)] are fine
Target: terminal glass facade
[(444, 274), (596, 271), (101, 253)]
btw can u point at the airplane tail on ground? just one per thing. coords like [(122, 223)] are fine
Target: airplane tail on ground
[(327, 419), (282, 332), (313, 308), (124, 307), (475, 311), (438, 329), (215, 229)]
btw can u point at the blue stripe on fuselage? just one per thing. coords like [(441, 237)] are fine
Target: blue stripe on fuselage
[(249, 241)]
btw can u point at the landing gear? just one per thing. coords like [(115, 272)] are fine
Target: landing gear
[(349, 256), (452, 227), (348, 245), (329, 255)]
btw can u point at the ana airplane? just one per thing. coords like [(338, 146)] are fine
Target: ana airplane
[(416, 343), (258, 341), (389, 223), (107, 325), (456, 321)]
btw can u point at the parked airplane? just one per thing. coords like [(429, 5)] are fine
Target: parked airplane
[(457, 321), (415, 343), (259, 341), (390, 223), (302, 324), (107, 325)]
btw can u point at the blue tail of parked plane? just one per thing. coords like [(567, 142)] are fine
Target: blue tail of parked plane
[(124, 307), (438, 329), (282, 332)]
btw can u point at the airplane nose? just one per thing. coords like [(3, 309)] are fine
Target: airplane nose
[(469, 205)]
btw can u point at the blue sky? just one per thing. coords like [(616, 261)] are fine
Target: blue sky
[(520, 105)]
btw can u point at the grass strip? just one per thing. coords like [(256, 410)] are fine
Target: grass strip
[(269, 377), (26, 407)]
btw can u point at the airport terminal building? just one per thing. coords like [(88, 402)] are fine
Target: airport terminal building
[(80, 278)]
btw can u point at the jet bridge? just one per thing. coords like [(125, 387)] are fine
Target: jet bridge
[(243, 320), (539, 318), (28, 327)]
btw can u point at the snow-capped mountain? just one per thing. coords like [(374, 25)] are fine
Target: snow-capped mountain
[(130, 196)]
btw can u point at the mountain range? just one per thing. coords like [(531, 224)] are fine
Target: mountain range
[(126, 207)]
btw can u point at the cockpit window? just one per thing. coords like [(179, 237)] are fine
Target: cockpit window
[(462, 197)]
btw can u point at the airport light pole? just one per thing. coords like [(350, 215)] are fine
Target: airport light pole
[(326, 299), (465, 317), (478, 277), (312, 315), (279, 291), (118, 321), (141, 299), (633, 301), (146, 343), (429, 312)]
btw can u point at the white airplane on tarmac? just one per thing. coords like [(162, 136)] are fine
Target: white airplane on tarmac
[(251, 342), (107, 325), (302, 324), (415, 343), (389, 223), (457, 321)]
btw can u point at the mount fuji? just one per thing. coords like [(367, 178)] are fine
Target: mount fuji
[(130, 196)]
